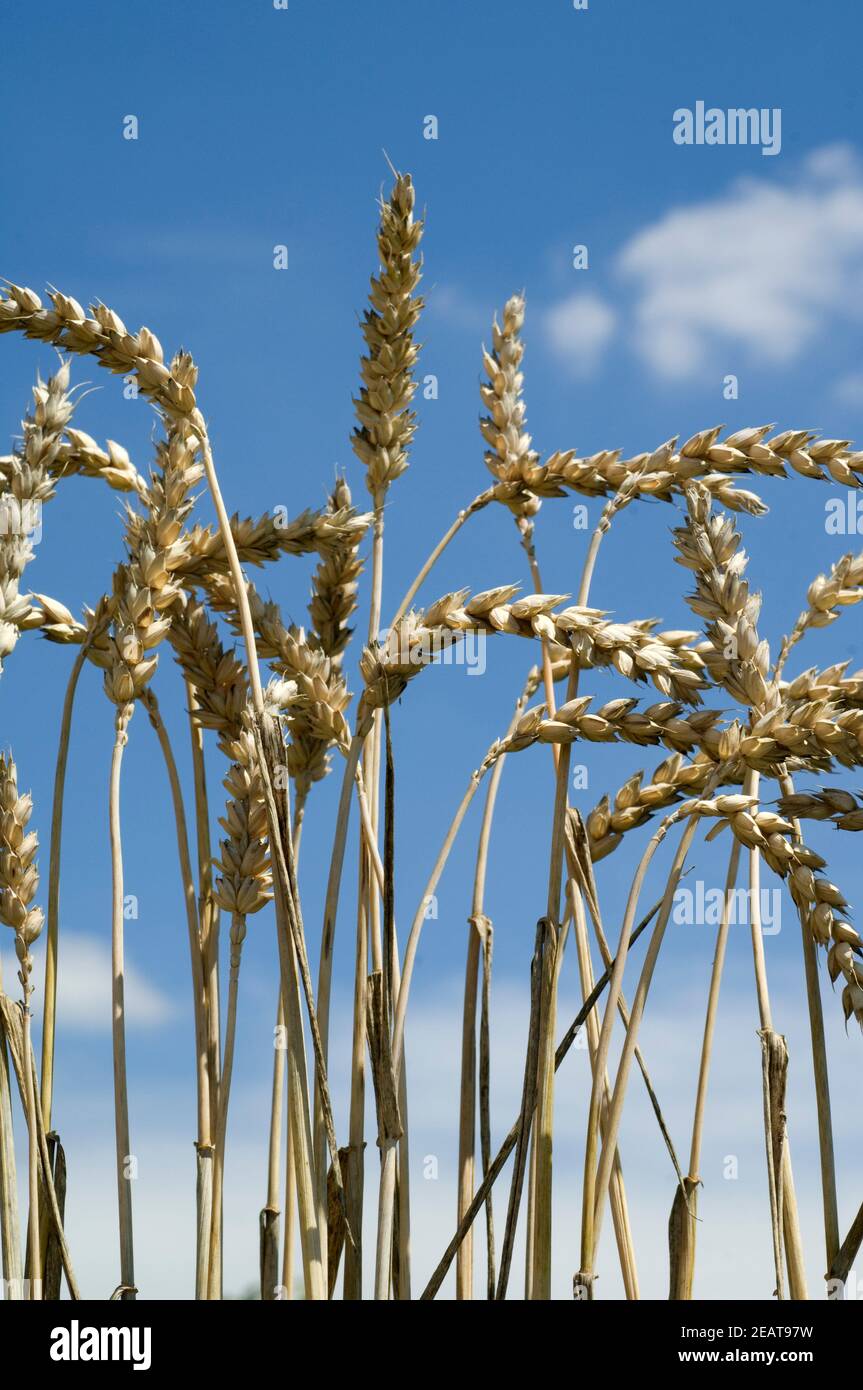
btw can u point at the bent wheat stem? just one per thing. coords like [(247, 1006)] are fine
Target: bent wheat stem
[(477, 505)]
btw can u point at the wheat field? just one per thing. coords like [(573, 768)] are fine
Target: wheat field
[(748, 738)]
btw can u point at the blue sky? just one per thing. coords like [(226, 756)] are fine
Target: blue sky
[(260, 127)]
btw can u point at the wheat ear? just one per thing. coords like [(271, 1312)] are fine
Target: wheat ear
[(709, 547), (19, 880)]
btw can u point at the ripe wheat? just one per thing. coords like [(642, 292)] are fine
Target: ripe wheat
[(279, 709)]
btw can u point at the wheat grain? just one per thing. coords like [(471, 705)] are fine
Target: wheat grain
[(704, 457), (103, 335), (826, 595), (335, 580), (616, 721), (509, 455), (322, 695), (263, 541), (817, 898), (708, 545), (178, 577), (25, 484), (19, 881), (633, 649), (828, 803), (19, 875), (386, 423), (244, 884), (830, 684), (80, 454)]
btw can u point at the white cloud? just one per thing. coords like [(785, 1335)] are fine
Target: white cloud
[(849, 389), (84, 987), (762, 270), (578, 331)]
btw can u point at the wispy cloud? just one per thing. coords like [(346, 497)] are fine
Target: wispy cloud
[(764, 268), (759, 274), (84, 987), (578, 331), (229, 247), (849, 389)]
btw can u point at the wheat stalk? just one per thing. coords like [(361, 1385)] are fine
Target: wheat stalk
[(684, 1215), (10, 1231), (819, 1062), (479, 942), (183, 581), (52, 942), (19, 880)]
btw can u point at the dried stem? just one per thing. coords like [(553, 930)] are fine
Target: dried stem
[(539, 1241), (50, 1190), (529, 1102), (270, 1214), (819, 1062), (121, 1091), (52, 935), (619, 1209), (783, 1197), (596, 1181), (206, 947), (199, 1000), (34, 1246), (683, 1269), (238, 932), (477, 505), (388, 1168), (497, 1166), (10, 1226), (478, 943)]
